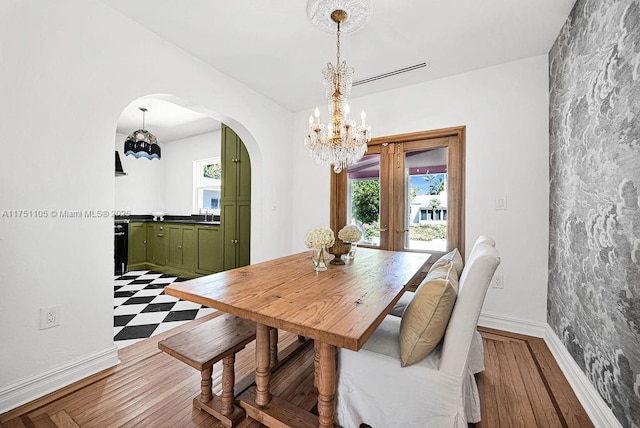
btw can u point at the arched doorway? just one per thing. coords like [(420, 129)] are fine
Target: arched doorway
[(175, 215)]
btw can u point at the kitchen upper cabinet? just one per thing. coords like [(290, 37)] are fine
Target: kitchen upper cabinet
[(209, 249), (235, 213), (236, 167), (137, 252), (182, 246)]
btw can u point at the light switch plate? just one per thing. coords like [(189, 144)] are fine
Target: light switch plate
[(501, 202)]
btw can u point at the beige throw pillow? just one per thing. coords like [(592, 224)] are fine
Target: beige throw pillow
[(426, 317), (452, 256)]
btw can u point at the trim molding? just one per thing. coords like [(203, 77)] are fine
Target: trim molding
[(34, 387), (514, 325), (597, 409)]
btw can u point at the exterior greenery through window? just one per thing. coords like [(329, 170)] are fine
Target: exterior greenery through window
[(213, 170), (366, 207)]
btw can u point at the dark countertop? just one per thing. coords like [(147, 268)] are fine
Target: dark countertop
[(184, 219)]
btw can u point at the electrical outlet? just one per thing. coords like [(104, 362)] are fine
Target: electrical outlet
[(498, 281), (49, 317)]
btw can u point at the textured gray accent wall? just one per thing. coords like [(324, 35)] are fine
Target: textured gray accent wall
[(594, 253)]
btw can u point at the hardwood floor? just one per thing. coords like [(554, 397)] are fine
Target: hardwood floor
[(521, 386)]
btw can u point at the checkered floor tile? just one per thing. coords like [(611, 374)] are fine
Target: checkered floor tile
[(141, 309)]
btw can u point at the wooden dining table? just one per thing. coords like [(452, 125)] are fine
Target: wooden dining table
[(340, 307)]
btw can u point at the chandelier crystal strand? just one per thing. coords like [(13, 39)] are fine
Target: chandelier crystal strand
[(341, 142)]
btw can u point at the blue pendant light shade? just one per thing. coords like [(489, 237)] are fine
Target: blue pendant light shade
[(142, 143)]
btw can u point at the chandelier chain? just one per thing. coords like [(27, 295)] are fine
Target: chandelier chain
[(338, 46)]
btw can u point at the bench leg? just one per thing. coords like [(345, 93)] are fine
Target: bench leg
[(205, 385), (228, 381), (273, 347), (221, 406)]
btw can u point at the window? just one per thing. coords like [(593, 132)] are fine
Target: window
[(207, 180), (406, 193)]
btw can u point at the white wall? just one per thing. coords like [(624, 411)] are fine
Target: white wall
[(505, 110), (180, 154), (166, 184), (63, 85), (141, 191)]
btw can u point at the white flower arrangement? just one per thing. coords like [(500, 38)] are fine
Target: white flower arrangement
[(320, 237), (350, 233)]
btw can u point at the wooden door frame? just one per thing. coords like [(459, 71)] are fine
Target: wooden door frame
[(454, 139)]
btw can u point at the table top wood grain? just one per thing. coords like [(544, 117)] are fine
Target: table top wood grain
[(341, 306)]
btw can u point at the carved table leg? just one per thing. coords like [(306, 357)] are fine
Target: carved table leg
[(263, 372), (316, 355), (326, 383), (205, 385), (228, 381), (273, 347)]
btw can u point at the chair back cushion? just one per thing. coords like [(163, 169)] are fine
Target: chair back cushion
[(425, 319), (453, 257), (484, 239), (474, 282)]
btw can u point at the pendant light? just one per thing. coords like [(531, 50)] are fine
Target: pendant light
[(142, 143)]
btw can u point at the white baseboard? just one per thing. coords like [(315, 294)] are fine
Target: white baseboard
[(514, 325), (600, 414), (34, 387)]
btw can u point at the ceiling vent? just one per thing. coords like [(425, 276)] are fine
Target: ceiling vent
[(389, 74)]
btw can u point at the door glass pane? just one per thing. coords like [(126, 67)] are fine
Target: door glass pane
[(363, 198), (426, 200)]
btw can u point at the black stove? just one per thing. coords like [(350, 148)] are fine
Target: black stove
[(120, 245)]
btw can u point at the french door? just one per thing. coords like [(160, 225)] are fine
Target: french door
[(406, 193)]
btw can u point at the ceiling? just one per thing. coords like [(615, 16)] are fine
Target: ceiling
[(272, 47), (166, 120)]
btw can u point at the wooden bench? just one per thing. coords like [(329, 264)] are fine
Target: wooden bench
[(206, 344)]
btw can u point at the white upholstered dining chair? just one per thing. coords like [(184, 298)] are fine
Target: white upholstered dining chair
[(439, 390)]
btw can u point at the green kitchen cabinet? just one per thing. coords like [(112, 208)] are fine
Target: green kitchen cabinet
[(236, 167), (186, 250), (235, 213), (151, 231), (228, 221), (137, 251), (208, 249), (156, 244), (181, 252)]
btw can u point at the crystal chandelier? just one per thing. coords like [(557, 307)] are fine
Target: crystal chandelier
[(142, 143), (341, 142)]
